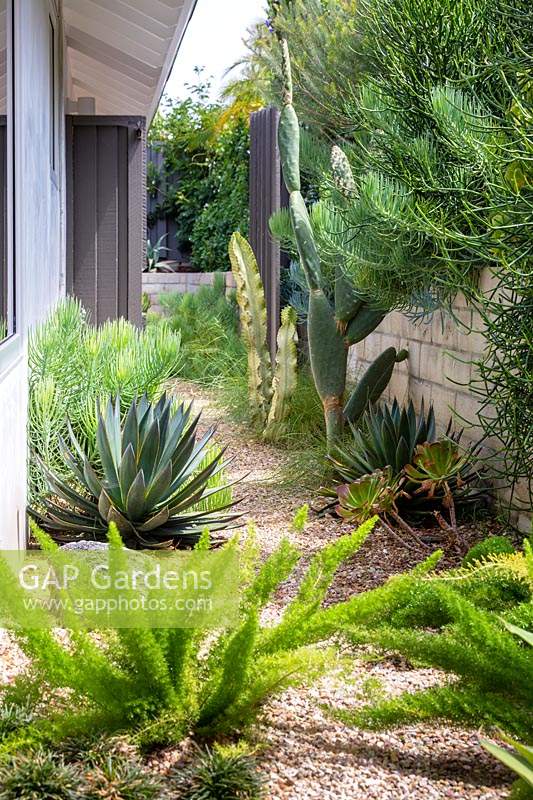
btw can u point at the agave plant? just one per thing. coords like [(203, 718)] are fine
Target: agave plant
[(148, 477), (153, 253), (386, 437), (391, 437), (375, 494)]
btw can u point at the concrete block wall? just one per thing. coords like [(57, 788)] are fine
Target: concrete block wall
[(156, 283), (442, 356)]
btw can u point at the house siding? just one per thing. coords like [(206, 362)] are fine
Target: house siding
[(39, 242)]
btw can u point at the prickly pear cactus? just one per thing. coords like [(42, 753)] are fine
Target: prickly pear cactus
[(285, 374), (332, 328)]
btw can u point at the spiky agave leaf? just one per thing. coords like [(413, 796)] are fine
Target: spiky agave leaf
[(151, 480), (386, 437)]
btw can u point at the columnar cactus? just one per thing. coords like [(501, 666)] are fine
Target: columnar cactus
[(332, 329), (269, 394)]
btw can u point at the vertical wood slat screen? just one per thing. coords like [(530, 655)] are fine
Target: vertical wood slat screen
[(163, 226), (106, 214), (267, 194)]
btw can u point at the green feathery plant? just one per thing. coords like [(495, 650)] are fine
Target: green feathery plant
[(435, 624), (75, 367), (160, 684), (208, 324), (491, 546)]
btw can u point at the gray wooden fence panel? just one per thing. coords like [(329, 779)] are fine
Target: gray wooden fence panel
[(267, 195), (163, 226), (106, 210)]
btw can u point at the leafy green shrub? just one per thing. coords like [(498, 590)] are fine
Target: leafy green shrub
[(207, 322), (146, 479), (203, 185), (492, 545), (115, 778), (39, 776), (161, 684), (226, 209), (74, 367), (220, 774)]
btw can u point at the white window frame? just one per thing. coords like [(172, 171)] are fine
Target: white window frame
[(11, 346)]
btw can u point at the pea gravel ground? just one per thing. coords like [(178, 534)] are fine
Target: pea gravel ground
[(303, 752)]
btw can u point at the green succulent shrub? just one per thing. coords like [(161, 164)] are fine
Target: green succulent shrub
[(39, 775), (377, 493), (492, 545), (221, 773), (147, 479), (186, 679), (394, 464), (74, 367)]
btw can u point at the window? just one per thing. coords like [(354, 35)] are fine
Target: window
[(7, 277)]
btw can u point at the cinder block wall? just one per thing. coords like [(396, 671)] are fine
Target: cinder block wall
[(442, 356), (156, 283)]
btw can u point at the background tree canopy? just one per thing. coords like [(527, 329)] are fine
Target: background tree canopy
[(203, 186)]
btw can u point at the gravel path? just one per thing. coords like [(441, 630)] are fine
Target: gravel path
[(309, 756), (304, 753)]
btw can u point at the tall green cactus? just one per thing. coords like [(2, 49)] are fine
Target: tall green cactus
[(285, 374), (332, 329), (252, 305), (269, 396)]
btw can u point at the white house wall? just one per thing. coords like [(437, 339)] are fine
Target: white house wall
[(39, 257)]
